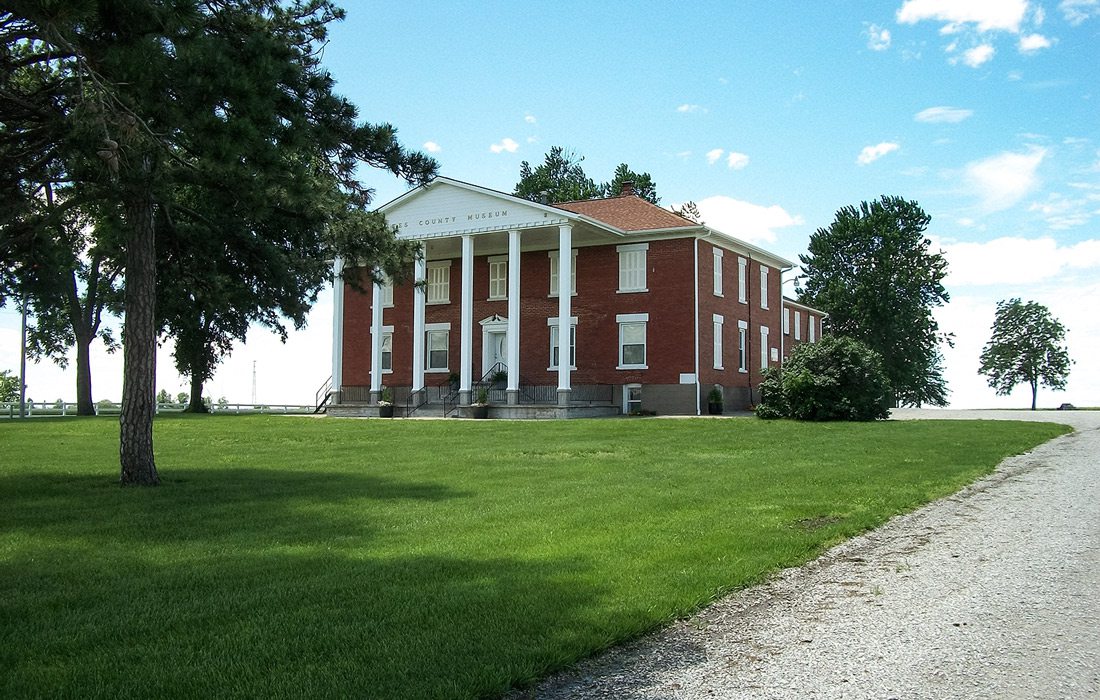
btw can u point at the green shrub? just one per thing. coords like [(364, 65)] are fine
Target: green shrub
[(837, 378)]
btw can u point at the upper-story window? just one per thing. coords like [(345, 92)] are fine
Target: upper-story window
[(439, 282), (812, 335), (763, 287), (498, 277), (786, 321), (387, 292), (742, 280), (717, 272), (798, 325), (555, 263), (632, 267)]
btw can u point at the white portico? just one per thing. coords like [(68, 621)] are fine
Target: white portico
[(456, 221)]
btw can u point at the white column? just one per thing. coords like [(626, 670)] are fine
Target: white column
[(513, 317), (420, 296), (376, 344), (565, 304), (466, 352), (337, 325)]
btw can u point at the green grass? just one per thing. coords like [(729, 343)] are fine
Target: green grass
[(341, 558)]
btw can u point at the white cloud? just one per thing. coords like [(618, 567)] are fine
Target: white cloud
[(683, 155), (870, 154), (1013, 261), (1062, 212), (691, 109), (432, 147), (1003, 180), (532, 139), (978, 55), (737, 161), (749, 222), (1077, 11), (878, 38), (714, 154), (1032, 43), (986, 15), (505, 144), (530, 119), (943, 115)]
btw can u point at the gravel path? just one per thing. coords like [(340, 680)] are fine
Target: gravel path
[(991, 593)]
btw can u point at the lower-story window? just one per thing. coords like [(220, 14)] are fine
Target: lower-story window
[(387, 352), (438, 350), (554, 347), (742, 346), (632, 398), (632, 340)]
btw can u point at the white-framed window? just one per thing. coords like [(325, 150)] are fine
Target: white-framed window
[(387, 292), (763, 287), (387, 352), (811, 335), (554, 349), (719, 322), (439, 282), (717, 272), (632, 267), (632, 398), (555, 262), (632, 340), (742, 346), (763, 347), (498, 277), (742, 280), (437, 346), (786, 321), (798, 325)]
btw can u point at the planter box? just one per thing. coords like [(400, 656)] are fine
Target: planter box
[(385, 411)]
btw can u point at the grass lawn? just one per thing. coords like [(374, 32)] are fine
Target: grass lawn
[(396, 559)]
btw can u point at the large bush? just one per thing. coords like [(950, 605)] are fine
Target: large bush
[(837, 378)]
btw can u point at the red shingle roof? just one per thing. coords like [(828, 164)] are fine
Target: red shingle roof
[(629, 213)]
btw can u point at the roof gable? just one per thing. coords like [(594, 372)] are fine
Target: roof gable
[(629, 213)]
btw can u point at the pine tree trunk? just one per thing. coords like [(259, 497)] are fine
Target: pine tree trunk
[(139, 347), (84, 405)]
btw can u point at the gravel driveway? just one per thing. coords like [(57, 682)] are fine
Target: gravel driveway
[(991, 593)]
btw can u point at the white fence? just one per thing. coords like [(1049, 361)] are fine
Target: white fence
[(42, 409)]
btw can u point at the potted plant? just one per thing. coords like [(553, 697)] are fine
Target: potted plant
[(480, 407), (714, 402), (500, 378), (453, 380), (385, 403)]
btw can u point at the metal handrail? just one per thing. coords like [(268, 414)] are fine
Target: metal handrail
[(322, 396)]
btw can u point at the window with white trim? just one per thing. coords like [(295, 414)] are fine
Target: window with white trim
[(554, 349), (632, 340), (798, 325), (387, 293), (498, 277), (763, 287), (742, 346), (438, 348), (812, 335), (387, 352), (632, 267), (763, 347), (719, 322), (742, 280), (786, 321), (632, 398), (439, 283), (555, 263), (717, 272)]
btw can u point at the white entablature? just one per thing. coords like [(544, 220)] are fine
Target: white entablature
[(447, 207)]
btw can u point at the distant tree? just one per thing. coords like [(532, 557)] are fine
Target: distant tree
[(1027, 347), (163, 396), (689, 210), (181, 397), (872, 271), (9, 387), (837, 378), (560, 178), (643, 184)]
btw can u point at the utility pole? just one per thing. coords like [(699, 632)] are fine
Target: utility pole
[(23, 362)]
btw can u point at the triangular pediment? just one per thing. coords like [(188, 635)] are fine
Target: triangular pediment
[(446, 207)]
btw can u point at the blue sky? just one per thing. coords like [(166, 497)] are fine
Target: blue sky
[(771, 117)]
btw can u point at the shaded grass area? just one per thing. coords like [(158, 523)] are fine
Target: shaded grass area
[(449, 559)]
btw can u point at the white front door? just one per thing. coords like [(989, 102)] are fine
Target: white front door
[(496, 350)]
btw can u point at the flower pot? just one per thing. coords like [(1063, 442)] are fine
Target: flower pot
[(477, 411), (385, 411), (714, 408)]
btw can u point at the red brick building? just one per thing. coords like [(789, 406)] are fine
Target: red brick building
[(650, 309)]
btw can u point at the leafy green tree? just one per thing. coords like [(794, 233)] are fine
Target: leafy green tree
[(873, 272), (163, 396), (837, 378), (643, 184), (560, 178), (1027, 347), (162, 102), (9, 386)]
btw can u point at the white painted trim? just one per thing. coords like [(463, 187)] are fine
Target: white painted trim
[(466, 342), (337, 323), (446, 326), (631, 247), (514, 257), (419, 302), (376, 339), (565, 304), (695, 319), (553, 321), (631, 318)]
